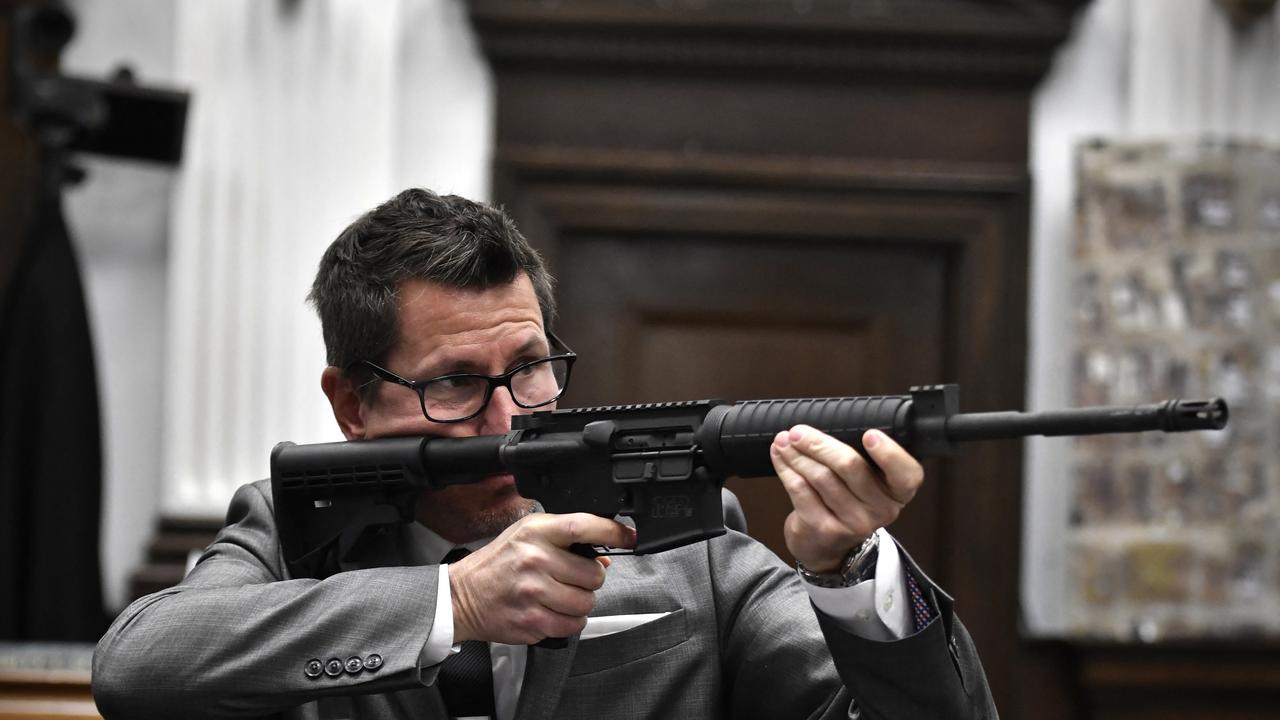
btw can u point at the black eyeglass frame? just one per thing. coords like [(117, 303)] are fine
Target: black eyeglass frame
[(493, 381)]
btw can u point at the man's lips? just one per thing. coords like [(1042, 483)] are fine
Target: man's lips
[(496, 482)]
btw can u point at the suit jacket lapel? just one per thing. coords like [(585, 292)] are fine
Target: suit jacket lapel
[(544, 678)]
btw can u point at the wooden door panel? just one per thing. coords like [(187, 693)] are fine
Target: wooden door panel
[(702, 316)]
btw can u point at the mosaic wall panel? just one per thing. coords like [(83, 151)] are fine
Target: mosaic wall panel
[(1177, 294)]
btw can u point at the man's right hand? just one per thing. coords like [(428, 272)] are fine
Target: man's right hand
[(526, 585)]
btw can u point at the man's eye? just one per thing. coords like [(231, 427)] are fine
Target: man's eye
[(452, 383), (525, 361)]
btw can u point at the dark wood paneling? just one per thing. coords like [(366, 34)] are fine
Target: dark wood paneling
[(1220, 680), (685, 317), (915, 278), (768, 199), (696, 115), (975, 42)]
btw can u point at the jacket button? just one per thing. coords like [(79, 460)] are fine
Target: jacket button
[(373, 662), (333, 668), (354, 665), (313, 668)]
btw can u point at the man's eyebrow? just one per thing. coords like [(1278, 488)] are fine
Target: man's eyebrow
[(453, 367), (535, 345)]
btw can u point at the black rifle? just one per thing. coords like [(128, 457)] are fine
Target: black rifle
[(661, 464)]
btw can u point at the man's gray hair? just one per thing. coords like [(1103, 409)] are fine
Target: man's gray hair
[(416, 235)]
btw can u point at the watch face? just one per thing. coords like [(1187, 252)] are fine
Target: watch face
[(864, 567)]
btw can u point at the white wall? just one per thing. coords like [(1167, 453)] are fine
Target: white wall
[(438, 115), (1081, 98), (307, 115), (445, 121)]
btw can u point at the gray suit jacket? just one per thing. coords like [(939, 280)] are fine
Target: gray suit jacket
[(741, 640)]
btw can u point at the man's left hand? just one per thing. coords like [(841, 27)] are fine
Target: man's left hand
[(839, 498)]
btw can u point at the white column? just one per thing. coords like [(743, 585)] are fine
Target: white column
[(290, 138), (305, 115)]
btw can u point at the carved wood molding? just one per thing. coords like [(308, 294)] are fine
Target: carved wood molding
[(574, 209), (1238, 666), (563, 192), (694, 167), (1221, 679), (917, 40)]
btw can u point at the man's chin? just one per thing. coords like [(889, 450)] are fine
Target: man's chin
[(464, 513), (491, 521)]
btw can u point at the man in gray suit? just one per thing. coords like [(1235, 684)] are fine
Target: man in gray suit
[(437, 316)]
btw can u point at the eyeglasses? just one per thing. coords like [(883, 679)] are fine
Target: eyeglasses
[(461, 396)]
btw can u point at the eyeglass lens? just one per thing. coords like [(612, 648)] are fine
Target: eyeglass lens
[(534, 384)]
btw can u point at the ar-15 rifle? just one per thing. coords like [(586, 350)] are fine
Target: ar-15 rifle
[(661, 464)]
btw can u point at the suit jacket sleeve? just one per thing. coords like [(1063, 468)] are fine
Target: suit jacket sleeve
[(934, 673), (778, 657), (235, 637)]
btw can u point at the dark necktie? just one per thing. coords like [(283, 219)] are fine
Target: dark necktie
[(466, 678)]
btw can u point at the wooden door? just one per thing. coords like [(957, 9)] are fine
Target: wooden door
[(753, 200), (689, 317)]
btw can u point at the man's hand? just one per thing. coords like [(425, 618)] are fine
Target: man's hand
[(526, 585), (839, 499)]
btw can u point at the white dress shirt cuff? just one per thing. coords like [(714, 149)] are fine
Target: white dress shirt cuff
[(439, 644), (875, 609)]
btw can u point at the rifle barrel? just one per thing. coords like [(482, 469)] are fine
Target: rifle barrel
[(1169, 416)]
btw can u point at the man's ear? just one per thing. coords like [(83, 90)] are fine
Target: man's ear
[(345, 402)]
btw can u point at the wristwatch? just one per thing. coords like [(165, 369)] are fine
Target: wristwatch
[(858, 565)]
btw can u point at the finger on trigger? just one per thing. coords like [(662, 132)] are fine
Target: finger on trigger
[(588, 529)]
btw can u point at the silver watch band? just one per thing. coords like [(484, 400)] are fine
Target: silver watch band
[(858, 565)]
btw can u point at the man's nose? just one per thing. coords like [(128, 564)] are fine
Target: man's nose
[(497, 414)]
